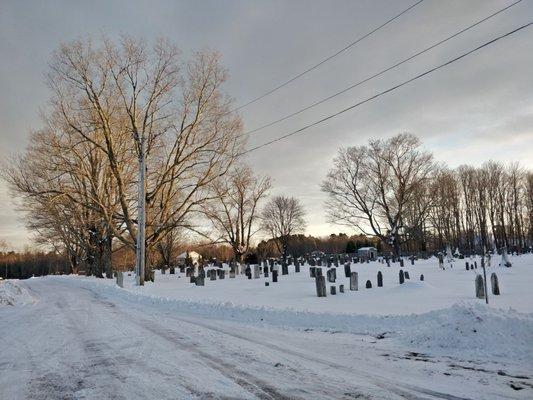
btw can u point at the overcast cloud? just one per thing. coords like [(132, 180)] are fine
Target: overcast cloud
[(477, 109)]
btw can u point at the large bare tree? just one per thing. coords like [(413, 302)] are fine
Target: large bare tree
[(108, 98), (371, 187), (282, 217)]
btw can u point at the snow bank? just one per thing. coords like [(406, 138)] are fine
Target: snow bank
[(465, 331), (12, 294)]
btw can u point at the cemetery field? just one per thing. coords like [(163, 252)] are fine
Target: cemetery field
[(235, 338)]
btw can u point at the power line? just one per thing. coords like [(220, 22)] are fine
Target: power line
[(253, 131), (387, 91), (327, 58)]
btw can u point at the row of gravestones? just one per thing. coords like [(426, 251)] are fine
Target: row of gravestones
[(480, 285), (331, 274)]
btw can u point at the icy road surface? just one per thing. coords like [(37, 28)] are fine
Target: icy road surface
[(73, 342)]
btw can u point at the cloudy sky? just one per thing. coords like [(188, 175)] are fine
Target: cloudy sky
[(477, 109)]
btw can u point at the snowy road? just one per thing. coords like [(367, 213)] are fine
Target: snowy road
[(73, 343)]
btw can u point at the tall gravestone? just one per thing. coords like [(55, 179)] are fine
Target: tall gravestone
[(401, 277), (494, 284), (347, 270), (354, 281), (320, 283), (480, 289), (380, 279)]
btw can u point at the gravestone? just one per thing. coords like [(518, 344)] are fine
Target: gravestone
[(505, 259), (475, 264), (368, 284), (387, 260), (172, 270), (467, 266), (406, 275), (380, 279), (354, 281), (422, 277), (441, 261), (320, 283), (212, 274), (341, 288), (284, 268), (188, 272), (192, 279), (494, 283), (232, 272), (265, 272), (347, 270), (401, 262), (120, 279), (333, 289), (267, 283), (401, 277), (199, 281), (312, 272), (318, 272), (256, 272), (332, 275), (480, 290), (221, 274), (412, 260), (274, 276)]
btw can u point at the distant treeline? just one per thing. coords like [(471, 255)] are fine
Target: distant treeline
[(24, 265)]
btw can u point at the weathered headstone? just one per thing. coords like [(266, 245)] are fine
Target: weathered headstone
[(274, 275), (380, 279), (172, 270), (199, 281), (401, 277), (221, 274), (232, 272), (354, 281), (256, 272), (368, 284), (494, 283), (320, 283), (401, 262), (312, 272), (192, 279), (341, 288), (347, 270), (212, 275), (267, 283), (467, 265), (422, 277), (333, 289), (480, 290), (318, 272), (284, 268), (406, 275)]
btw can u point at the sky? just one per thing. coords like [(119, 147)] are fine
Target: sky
[(476, 109)]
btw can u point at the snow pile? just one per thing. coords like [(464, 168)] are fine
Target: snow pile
[(12, 294), (471, 331)]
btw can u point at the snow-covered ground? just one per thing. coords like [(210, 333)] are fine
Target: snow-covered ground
[(12, 294), (86, 338)]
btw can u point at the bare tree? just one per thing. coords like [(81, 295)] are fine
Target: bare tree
[(234, 212), (371, 187), (110, 98), (281, 218)]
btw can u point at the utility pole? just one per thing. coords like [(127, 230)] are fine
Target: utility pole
[(141, 216)]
